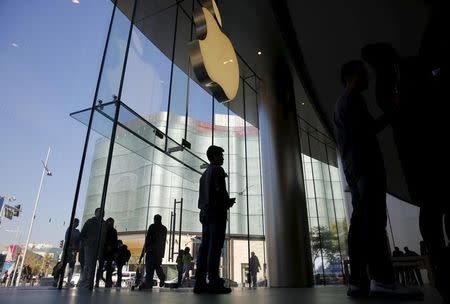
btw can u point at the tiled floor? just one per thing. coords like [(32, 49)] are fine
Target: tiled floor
[(326, 295)]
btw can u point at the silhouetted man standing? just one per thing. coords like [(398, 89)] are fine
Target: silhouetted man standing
[(107, 253), (154, 247), (72, 250), (364, 170), (213, 203), (89, 239)]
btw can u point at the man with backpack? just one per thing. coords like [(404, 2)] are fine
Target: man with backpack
[(122, 257)]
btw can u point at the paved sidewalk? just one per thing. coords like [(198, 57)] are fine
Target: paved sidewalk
[(326, 295)]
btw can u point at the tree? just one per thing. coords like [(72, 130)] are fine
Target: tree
[(324, 241)]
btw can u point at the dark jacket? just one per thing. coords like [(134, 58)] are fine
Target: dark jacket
[(123, 255), (74, 241), (356, 137), (89, 232), (213, 195), (254, 264), (110, 245), (155, 241)]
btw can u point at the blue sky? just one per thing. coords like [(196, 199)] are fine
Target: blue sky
[(50, 53)]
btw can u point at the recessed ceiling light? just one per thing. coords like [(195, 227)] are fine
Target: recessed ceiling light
[(259, 53), (76, 1), (14, 44), (303, 103)]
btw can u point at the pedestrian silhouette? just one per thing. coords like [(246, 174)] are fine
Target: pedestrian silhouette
[(154, 248), (213, 203)]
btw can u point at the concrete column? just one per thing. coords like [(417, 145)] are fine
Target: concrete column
[(286, 222)]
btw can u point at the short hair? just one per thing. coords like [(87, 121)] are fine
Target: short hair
[(119, 242), (349, 69), (213, 151), (187, 249), (76, 220), (110, 220), (157, 218)]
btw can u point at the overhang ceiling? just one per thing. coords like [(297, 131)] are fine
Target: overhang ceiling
[(331, 33), (328, 33)]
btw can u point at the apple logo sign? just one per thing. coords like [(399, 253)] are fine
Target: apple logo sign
[(212, 55)]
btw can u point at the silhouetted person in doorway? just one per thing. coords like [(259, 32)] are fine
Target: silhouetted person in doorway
[(89, 242), (154, 248), (363, 166), (253, 268), (213, 203), (72, 249)]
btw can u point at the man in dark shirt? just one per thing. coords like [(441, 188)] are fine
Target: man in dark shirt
[(89, 241), (122, 257), (73, 248), (107, 253), (363, 166), (154, 247), (213, 203)]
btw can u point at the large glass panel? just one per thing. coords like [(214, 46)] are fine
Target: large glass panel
[(179, 98), (254, 195), (327, 228), (115, 54), (238, 189), (199, 126), (147, 76)]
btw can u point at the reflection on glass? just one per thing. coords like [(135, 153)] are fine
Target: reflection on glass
[(115, 55)]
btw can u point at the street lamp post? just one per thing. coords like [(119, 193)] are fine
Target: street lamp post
[(45, 171)]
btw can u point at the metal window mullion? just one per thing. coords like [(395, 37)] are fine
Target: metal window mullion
[(124, 67), (106, 182), (246, 172), (171, 77), (86, 143)]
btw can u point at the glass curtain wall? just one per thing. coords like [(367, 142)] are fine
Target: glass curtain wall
[(326, 213), (153, 124)]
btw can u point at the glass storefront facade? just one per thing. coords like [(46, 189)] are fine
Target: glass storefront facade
[(326, 206), (152, 125)]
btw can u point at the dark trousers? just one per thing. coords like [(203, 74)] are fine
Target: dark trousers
[(152, 264), (180, 269), (213, 236), (367, 240), (119, 275), (253, 279), (104, 266)]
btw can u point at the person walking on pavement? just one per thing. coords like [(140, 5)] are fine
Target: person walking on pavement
[(122, 257), (154, 248), (107, 253), (253, 268), (73, 248)]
